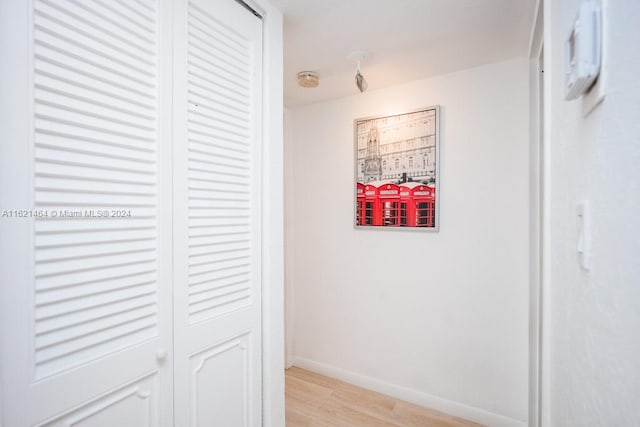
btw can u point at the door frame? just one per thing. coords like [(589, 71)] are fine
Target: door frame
[(273, 352), (538, 225)]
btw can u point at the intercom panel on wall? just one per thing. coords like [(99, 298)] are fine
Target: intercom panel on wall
[(583, 51)]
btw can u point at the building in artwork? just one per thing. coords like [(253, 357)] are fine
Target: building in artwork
[(372, 161), (393, 147)]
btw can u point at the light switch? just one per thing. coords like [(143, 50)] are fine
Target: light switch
[(584, 234)]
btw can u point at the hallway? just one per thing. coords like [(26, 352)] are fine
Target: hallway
[(270, 213)]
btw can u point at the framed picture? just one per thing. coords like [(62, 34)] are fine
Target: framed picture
[(397, 180)]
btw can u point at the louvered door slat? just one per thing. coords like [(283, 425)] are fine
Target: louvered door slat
[(121, 281), (219, 167), (95, 149), (83, 18), (117, 113), (113, 308)]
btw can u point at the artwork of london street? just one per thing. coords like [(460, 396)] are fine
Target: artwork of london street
[(397, 170)]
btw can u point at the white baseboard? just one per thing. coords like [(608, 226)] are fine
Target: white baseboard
[(450, 407), (288, 361)]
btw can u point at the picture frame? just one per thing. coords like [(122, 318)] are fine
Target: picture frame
[(397, 171)]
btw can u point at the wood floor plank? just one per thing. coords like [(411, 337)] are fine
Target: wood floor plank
[(312, 377), (314, 400), (305, 388)]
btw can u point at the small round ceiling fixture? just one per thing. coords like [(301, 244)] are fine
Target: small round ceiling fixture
[(308, 79)]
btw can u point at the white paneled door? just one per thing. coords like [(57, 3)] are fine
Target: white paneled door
[(86, 298), (130, 213), (217, 156)]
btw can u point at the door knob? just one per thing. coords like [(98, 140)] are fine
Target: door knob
[(161, 355)]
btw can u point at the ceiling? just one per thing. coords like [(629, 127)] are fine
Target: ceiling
[(408, 40)]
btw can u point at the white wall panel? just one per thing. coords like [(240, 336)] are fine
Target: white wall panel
[(592, 317)]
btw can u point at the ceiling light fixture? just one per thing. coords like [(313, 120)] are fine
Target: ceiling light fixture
[(357, 57), (308, 79)]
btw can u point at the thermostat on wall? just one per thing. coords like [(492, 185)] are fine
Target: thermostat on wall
[(584, 50)]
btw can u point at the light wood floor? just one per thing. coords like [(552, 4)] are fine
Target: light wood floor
[(316, 400)]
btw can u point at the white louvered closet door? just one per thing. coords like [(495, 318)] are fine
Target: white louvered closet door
[(217, 156), (85, 228)]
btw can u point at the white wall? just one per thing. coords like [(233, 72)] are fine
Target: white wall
[(595, 316), (437, 318)]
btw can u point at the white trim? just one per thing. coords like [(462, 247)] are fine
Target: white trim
[(273, 213), (536, 204), (15, 183), (450, 407), (546, 289)]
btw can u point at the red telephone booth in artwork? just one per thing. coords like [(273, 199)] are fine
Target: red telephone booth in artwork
[(360, 203), (429, 214), (417, 205), (381, 204), (371, 207), (389, 205)]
